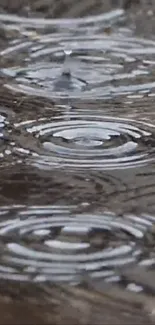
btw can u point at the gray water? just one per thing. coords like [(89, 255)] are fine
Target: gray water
[(77, 132)]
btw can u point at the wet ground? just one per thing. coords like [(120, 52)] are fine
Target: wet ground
[(77, 162)]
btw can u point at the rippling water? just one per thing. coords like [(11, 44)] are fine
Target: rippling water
[(92, 140), (58, 244), (77, 134), (99, 65)]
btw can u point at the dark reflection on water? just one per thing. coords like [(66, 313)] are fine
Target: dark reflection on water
[(77, 148), (22, 185)]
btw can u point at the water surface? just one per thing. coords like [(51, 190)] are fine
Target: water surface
[(77, 155)]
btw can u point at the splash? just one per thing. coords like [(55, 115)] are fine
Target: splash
[(101, 65)]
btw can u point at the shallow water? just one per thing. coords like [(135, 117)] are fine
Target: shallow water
[(77, 132)]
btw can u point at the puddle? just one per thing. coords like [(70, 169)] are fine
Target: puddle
[(77, 145)]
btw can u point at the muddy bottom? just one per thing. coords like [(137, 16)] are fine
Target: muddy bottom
[(77, 157)]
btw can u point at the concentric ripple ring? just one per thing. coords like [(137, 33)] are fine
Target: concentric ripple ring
[(93, 141), (55, 243)]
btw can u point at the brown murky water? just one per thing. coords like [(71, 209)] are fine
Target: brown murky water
[(77, 176)]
